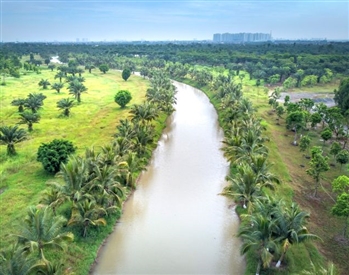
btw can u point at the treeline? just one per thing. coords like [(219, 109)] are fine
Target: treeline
[(267, 62)]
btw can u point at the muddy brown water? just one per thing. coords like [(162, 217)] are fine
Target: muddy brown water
[(175, 222)]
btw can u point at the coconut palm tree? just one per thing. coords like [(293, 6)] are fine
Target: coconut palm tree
[(291, 228), (128, 169), (10, 135), (144, 113), (42, 230), (29, 118), (257, 237), (121, 146), (57, 86), (87, 213), (53, 198), (65, 105), (245, 186), (76, 88), (15, 260), (104, 186)]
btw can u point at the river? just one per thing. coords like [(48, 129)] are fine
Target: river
[(175, 222)]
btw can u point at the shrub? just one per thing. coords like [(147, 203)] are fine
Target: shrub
[(52, 154), (123, 97)]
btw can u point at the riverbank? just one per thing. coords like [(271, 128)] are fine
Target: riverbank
[(297, 186)]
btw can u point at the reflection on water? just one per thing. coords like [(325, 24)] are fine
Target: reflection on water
[(175, 222)]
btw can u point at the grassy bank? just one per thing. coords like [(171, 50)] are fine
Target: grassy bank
[(290, 166), (92, 123)]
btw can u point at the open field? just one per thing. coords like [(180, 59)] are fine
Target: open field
[(92, 123)]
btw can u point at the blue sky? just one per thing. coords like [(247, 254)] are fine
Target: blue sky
[(45, 20)]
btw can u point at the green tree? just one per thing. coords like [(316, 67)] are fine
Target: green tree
[(53, 154), (57, 86), (335, 149), (341, 96), (86, 214), (342, 157), (123, 97), (29, 118), (51, 67), (65, 105), (145, 112), (341, 209), (10, 135), (34, 101), (44, 83), (126, 73), (326, 134), (257, 236), (76, 88), (104, 68), (89, 67), (295, 121), (60, 75), (304, 143), (318, 165), (42, 230), (20, 102), (291, 228)]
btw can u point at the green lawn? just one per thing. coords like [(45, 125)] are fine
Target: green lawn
[(92, 123)]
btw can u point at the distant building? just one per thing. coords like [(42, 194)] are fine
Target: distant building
[(241, 37)]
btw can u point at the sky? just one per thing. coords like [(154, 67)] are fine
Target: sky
[(117, 20)]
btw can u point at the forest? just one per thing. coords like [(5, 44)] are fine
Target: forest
[(91, 124)]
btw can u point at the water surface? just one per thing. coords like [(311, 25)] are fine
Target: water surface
[(175, 222)]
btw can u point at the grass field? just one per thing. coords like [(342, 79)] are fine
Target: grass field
[(92, 123)]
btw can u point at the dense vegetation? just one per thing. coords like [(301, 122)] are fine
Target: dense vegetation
[(89, 189)]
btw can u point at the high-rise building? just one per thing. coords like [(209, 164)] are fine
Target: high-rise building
[(241, 37)]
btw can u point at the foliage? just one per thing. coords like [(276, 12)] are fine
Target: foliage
[(29, 118), (103, 68), (65, 105), (123, 97), (341, 96), (318, 165), (10, 135), (52, 154), (126, 73)]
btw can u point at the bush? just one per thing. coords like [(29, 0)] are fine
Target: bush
[(123, 97), (52, 154)]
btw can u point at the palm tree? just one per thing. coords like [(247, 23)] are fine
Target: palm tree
[(65, 105), (125, 129), (20, 103), (257, 237), (145, 112), (76, 177), (319, 270), (41, 230), (87, 213), (89, 67), (245, 186), (34, 101), (10, 135), (44, 83), (53, 198), (57, 86), (60, 75), (14, 260), (76, 88), (106, 189), (121, 146), (129, 168), (45, 267), (29, 118), (291, 228)]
